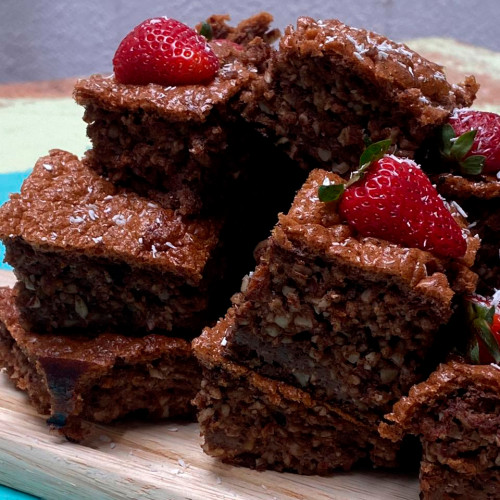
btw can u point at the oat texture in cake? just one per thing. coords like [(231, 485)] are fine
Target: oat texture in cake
[(89, 254), (330, 88), (100, 378), (253, 421)]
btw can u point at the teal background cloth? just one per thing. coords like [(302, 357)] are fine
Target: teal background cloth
[(8, 494), (9, 183)]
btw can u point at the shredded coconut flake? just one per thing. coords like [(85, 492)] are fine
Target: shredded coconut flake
[(47, 166), (119, 219), (76, 219), (460, 210)]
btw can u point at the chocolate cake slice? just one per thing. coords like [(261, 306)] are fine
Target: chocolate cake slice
[(456, 414), (330, 88), (185, 146), (96, 378), (88, 254), (351, 320), (253, 421)]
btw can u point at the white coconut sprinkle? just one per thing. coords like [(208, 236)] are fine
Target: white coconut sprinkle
[(97, 240), (119, 219), (459, 209), (495, 300), (76, 219), (223, 342), (47, 166)]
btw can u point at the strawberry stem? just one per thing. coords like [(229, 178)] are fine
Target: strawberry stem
[(455, 149), (206, 30)]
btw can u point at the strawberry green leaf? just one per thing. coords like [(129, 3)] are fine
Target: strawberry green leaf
[(473, 351), (482, 311), (462, 145), (483, 330), (332, 192), (206, 30), (374, 152), (473, 165), (447, 134)]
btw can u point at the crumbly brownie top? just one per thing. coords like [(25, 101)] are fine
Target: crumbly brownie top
[(238, 67), (403, 76), (248, 29), (314, 228), (449, 380), (101, 351), (64, 206)]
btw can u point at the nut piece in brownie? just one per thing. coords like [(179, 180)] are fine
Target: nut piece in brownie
[(89, 254), (186, 146), (351, 320), (252, 421), (331, 87), (99, 379), (456, 414)]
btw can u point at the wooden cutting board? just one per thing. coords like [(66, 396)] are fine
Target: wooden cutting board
[(160, 461)]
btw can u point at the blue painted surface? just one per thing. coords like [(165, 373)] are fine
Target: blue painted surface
[(8, 494), (9, 183)]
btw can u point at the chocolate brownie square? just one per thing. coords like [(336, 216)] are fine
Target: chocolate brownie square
[(456, 415), (331, 87), (351, 320), (186, 146), (88, 254), (96, 378)]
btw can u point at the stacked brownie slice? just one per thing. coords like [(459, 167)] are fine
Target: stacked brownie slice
[(328, 332), (124, 256)]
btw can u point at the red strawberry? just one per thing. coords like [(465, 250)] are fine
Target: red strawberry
[(483, 318), (392, 199), (472, 139), (164, 51)]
